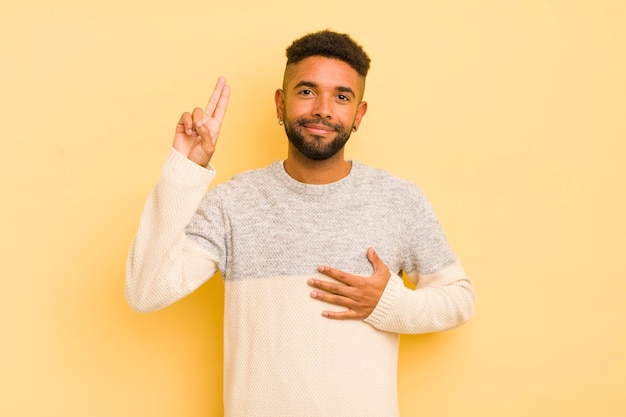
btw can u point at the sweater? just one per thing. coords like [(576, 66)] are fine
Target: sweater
[(267, 233)]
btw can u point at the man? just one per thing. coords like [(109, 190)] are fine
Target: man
[(312, 312)]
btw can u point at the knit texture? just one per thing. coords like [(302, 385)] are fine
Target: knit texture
[(267, 233)]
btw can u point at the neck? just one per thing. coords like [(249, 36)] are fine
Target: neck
[(310, 171)]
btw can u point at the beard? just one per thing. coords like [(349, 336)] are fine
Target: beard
[(316, 149)]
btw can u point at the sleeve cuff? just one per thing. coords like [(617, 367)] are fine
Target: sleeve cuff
[(393, 291), (177, 165)]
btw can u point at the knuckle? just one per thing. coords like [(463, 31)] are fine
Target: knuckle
[(336, 299)]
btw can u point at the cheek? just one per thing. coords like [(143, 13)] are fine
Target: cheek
[(348, 116), (294, 111)]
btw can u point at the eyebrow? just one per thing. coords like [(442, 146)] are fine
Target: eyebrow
[(340, 89)]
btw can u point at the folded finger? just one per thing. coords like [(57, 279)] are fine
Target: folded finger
[(185, 124), (197, 118)]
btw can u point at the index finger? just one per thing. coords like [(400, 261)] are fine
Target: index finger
[(219, 100), (340, 276)]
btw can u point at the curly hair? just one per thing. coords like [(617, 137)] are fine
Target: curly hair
[(329, 44)]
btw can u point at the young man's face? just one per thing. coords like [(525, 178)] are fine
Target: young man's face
[(320, 104)]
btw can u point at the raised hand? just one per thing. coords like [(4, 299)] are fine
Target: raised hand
[(197, 132), (360, 295)]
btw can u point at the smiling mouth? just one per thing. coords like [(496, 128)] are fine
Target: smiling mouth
[(318, 129), (318, 126)]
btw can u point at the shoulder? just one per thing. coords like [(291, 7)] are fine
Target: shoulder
[(386, 182)]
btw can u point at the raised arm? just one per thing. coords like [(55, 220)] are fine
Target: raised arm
[(163, 264)]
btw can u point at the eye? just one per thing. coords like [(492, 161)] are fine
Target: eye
[(306, 92), (343, 97)]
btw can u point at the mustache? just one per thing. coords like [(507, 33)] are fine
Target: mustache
[(318, 121)]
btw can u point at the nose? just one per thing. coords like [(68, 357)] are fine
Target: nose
[(322, 108)]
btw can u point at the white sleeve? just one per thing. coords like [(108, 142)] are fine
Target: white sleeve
[(163, 264), (441, 301)]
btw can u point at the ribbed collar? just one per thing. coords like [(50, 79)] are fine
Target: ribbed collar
[(278, 171)]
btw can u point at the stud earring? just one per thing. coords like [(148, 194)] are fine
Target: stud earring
[(280, 121)]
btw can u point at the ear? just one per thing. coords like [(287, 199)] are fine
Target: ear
[(360, 112), (279, 99)]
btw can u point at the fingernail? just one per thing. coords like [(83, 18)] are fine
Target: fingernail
[(199, 124), (310, 282), (313, 294), (189, 131)]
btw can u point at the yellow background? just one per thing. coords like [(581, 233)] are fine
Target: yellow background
[(509, 114)]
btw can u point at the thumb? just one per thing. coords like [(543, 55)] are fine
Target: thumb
[(207, 135), (380, 268), (372, 256)]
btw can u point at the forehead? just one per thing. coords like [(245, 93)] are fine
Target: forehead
[(324, 72)]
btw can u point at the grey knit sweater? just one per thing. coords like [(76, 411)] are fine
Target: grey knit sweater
[(267, 233)]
